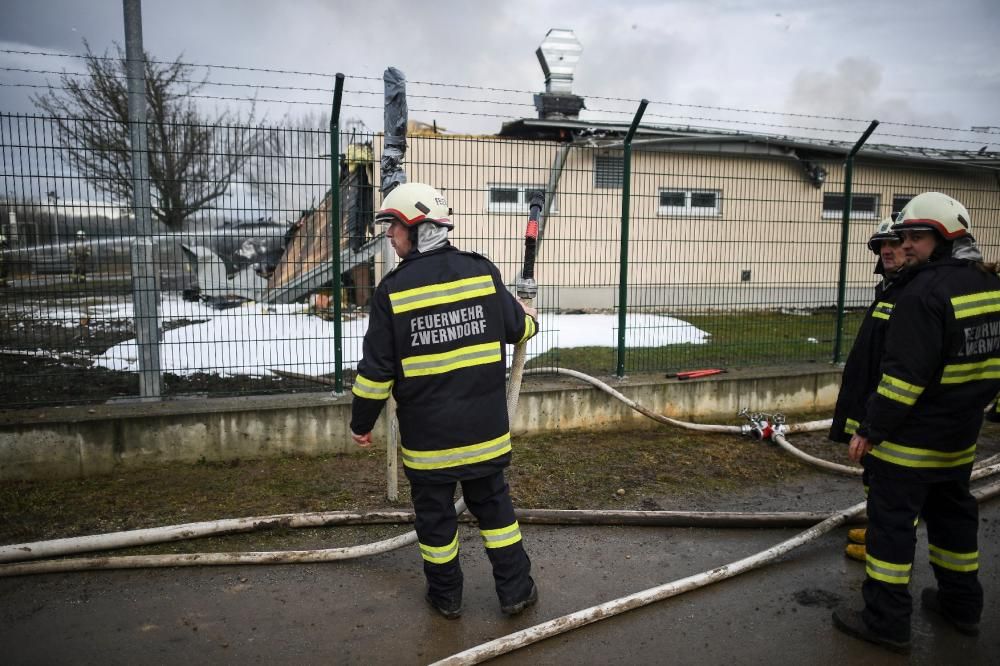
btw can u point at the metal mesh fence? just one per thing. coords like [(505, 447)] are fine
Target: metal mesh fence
[(733, 256)]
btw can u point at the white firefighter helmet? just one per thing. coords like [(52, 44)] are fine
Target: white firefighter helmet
[(936, 211), (882, 232), (413, 204)]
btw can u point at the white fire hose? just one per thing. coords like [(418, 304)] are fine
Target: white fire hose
[(559, 625)]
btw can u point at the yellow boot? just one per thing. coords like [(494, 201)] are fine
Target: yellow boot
[(856, 535), (855, 551)]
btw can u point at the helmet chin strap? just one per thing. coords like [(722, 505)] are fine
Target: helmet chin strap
[(430, 237)]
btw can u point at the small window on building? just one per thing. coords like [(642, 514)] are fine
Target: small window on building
[(512, 198), (899, 202), (863, 206), (503, 195), (608, 171), (690, 202), (670, 199)]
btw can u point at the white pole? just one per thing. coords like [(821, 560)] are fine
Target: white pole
[(391, 460)]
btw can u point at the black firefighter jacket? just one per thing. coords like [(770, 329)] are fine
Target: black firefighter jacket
[(437, 336), (861, 370), (940, 368)]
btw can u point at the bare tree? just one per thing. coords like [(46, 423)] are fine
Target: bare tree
[(192, 158)]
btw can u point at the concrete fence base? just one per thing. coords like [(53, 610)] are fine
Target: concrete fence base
[(77, 442)]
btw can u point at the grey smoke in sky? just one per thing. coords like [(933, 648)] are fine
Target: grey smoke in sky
[(900, 61)]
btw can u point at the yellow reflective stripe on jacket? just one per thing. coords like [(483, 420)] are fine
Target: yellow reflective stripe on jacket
[(369, 388), (529, 328), (887, 572), (440, 554), (851, 426), (909, 456), (898, 390), (959, 373), (882, 310), (504, 536), (954, 561), (982, 302), (442, 292), (461, 455), (463, 357)]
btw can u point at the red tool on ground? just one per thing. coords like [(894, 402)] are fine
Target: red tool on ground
[(695, 374)]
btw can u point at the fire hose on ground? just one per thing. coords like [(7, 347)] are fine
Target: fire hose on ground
[(759, 427)]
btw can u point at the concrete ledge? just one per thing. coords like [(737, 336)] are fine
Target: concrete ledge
[(76, 442)]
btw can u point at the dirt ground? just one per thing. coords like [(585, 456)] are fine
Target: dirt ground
[(648, 469), (70, 380)]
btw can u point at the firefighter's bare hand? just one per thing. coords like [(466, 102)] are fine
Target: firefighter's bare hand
[(858, 447), (528, 310), (364, 441)]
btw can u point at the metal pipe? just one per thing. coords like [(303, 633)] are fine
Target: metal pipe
[(845, 233), (551, 187), (527, 288), (623, 262), (144, 288), (335, 222)]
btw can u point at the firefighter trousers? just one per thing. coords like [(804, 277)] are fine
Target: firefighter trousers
[(488, 499), (951, 515)]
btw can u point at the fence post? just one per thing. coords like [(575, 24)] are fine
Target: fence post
[(845, 234), (335, 220), (145, 295), (623, 261)]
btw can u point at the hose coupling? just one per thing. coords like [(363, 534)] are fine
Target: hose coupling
[(762, 426), (526, 287)]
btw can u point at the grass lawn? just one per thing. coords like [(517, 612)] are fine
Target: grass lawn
[(738, 339)]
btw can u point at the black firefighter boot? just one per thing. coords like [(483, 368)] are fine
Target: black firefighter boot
[(444, 588), (516, 607), (450, 608), (930, 602), (851, 623)]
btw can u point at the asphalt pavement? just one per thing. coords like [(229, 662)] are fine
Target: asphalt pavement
[(372, 611)]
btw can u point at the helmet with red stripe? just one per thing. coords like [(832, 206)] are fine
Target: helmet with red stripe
[(937, 212), (413, 204)]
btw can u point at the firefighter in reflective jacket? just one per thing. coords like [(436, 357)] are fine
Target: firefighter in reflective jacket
[(940, 368), (861, 370), (436, 339), (860, 376)]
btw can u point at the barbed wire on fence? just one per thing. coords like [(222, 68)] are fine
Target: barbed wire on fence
[(624, 115), (488, 89)]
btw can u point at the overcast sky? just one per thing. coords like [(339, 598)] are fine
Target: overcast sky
[(905, 61)]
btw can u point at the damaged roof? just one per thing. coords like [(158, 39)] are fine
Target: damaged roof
[(691, 139)]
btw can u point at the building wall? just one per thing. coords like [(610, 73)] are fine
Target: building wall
[(770, 223)]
